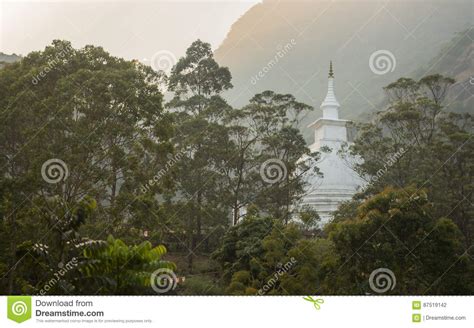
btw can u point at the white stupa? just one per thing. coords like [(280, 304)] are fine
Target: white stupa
[(339, 182)]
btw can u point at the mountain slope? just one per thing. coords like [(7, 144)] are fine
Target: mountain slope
[(286, 47), (456, 60), (4, 58)]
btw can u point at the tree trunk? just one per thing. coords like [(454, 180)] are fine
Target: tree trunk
[(198, 219), (190, 244), (235, 218), (12, 274)]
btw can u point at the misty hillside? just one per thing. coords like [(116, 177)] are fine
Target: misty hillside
[(456, 60), (4, 58), (416, 33)]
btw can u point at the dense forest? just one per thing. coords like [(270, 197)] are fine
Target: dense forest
[(105, 182)]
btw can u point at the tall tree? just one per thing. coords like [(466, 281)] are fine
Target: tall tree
[(197, 81)]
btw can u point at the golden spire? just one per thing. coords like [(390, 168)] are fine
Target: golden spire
[(331, 73)]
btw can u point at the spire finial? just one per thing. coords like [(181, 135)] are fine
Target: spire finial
[(330, 105), (331, 73)]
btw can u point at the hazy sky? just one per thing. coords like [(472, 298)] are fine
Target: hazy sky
[(129, 29)]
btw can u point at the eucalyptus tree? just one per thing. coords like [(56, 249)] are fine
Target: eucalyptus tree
[(197, 81)]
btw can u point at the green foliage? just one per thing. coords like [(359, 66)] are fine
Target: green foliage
[(40, 264), (198, 72), (256, 250), (309, 217), (201, 285), (417, 142), (103, 117), (72, 264), (395, 229), (241, 244), (118, 269), (315, 260)]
